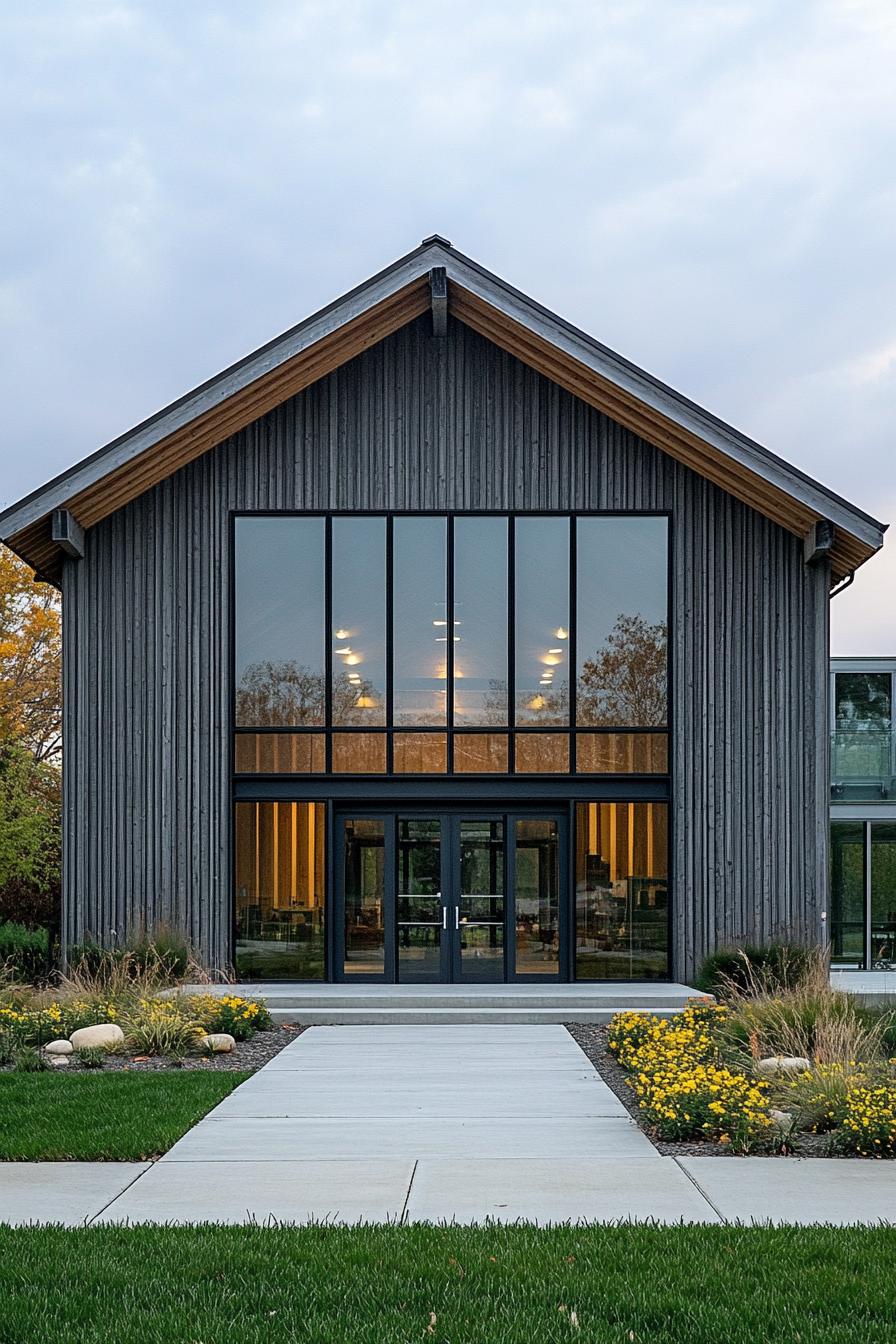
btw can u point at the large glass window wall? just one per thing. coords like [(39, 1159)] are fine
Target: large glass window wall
[(436, 644)]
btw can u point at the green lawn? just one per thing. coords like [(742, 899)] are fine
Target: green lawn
[(492, 1285), (103, 1116)]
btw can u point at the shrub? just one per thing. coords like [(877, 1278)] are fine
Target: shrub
[(162, 1027), (684, 1089), (29, 1060), (25, 953), (240, 1017), (91, 1057), (687, 1035), (868, 1125), (43, 1021), (817, 1098), (697, 1101), (753, 969)]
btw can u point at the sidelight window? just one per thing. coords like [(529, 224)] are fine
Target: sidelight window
[(622, 900)]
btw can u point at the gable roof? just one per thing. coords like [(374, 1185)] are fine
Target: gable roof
[(147, 454)]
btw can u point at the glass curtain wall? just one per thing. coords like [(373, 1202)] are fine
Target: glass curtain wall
[(848, 893), (883, 894), (862, 744), (466, 644), (863, 894)]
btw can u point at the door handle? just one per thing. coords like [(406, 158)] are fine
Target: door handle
[(444, 917), (457, 917)]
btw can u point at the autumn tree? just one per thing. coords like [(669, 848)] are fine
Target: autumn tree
[(30, 745), (30, 661), (624, 683)]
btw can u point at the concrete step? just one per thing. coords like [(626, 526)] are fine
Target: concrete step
[(380, 1015), (311, 1004), (378, 997)]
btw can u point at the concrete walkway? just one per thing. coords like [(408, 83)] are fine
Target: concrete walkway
[(421, 1123)]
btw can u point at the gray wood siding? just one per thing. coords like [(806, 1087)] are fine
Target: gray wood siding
[(437, 424)]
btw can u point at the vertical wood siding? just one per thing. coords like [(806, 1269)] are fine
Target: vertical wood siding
[(437, 424)]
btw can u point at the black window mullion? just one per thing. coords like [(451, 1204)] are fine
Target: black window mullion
[(511, 644), (390, 598), (328, 645), (449, 657), (572, 616)]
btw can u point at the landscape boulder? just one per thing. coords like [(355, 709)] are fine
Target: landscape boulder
[(218, 1043), (58, 1061), (104, 1036), (778, 1064), (59, 1048)]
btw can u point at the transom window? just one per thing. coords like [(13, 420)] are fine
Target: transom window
[(451, 644)]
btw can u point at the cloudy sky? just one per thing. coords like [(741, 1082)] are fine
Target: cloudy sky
[(709, 188)]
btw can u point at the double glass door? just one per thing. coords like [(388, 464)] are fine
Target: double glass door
[(444, 897)]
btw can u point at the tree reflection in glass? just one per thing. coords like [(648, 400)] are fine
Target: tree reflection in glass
[(621, 632), (279, 653)]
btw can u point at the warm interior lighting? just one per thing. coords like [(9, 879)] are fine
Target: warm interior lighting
[(551, 660), (440, 622), (537, 702), (366, 702), (352, 659), (347, 649), (561, 633), (555, 650), (341, 634)]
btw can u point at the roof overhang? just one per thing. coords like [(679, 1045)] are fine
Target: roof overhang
[(146, 455)]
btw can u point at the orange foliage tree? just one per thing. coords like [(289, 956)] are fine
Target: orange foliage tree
[(30, 745), (30, 660)]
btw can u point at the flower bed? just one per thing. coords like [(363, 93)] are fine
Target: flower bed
[(684, 1088), (694, 1081), (150, 1024)]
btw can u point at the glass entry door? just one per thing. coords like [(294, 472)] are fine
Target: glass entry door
[(450, 897)]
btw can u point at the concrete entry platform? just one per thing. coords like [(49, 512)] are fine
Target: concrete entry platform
[(347, 1004)]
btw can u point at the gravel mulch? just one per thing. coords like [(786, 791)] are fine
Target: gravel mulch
[(246, 1055), (593, 1041)]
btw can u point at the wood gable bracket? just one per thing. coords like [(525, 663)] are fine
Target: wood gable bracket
[(438, 290), (68, 533), (818, 542)]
